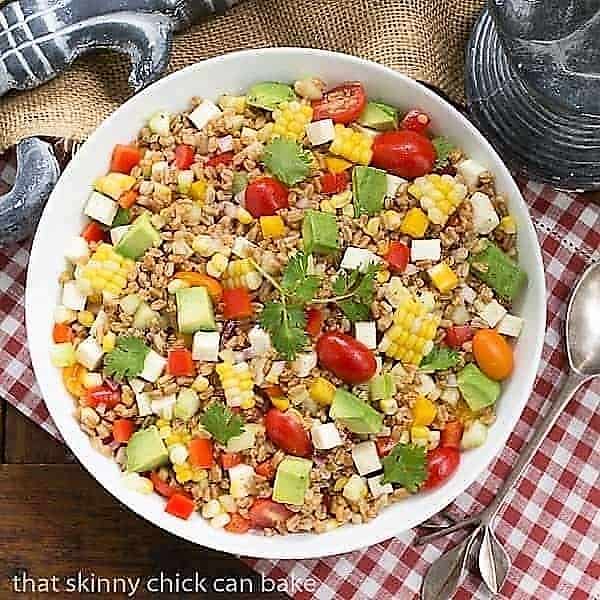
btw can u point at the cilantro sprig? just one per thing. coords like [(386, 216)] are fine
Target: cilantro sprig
[(405, 465), (127, 359), (440, 359), (287, 160), (443, 148), (355, 291), (221, 423)]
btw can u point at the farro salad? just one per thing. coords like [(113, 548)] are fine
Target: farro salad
[(289, 309)]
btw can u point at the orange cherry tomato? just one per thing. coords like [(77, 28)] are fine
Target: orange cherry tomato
[(213, 287), (493, 354), (238, 524)]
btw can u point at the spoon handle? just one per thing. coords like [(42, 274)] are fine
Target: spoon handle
[(571, 385)]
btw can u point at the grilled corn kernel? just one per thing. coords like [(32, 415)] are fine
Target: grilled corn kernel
[(391, 220), (423, 411), (107, 271), (241, 273), (337, 165), (200, 384), (419, 435), (439, 195), (217, 265), (322, 391), (86, 318), (508, 224), (291, 119), (236, 103), (443, 277), (272, 226), (198, 191), (183, 473), (382, 276), (238, 383), (415, 223), (352, 145), (280, 403), (373, 225), (243, 216), (211, 509)]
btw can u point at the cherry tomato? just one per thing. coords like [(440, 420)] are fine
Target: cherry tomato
[(334, 183), (397, 256), (103, 395), (441, 463), (230, 459), (184, 156), (94, 233), (265, 196), (405, 153), (286, 431), (225, 158), (314, 322), (343, 103), (163, 488), (237, 524), (493, 354), (415, 120), (264, 512), (384, 445), (266, 469), (346, 357), (457, 335), (451, 434)]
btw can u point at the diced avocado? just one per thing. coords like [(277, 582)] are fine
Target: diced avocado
[(379, 115), (369, 187), (194, 310), (187, 404), (382, 387), (269, 95), (144, 316), (114, 184), (239, 182), (123, 217), (498, 270), (140, 236), (354, 414), (477, 389), (146, 451), (292, 480), (320, 232)]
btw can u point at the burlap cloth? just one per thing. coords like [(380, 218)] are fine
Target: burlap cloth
[(422, 38)]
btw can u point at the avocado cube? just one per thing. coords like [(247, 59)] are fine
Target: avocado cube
[(292, 480), (380, 116), (320, 233), (140, 236), (354, 414), (478, 390), (269, 95), (382, 387), (369, 187), (146, 451), (194, 310)]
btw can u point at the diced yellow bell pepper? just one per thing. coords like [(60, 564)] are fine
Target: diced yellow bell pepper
[(114, 184), (443, 277), (419, 435), (337, 165), (415, 223), (322, 391), (280, 403), (508, 224), (108, 341), (272, 227), (423, 411), (198, 191)]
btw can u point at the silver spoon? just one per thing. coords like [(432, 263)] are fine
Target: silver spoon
[(481, 546)]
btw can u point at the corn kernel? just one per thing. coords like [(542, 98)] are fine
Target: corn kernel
[(439, 195), (85, 317), (137, 483), (217, 265), (241, 273), (373, 225), (243, 216), (391, 220), (443, 277), (337, 165), (415, 223), (272, 226), (423, 411), (419, 435), (382, 276), (322, 391), (508, 224), (248, 403), (280, 403), (291, 119), (352, 145), (200, 384), (198, 191)]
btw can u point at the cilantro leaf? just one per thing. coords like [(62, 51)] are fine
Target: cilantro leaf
[(440, 359), (405, 465), (285, 325), (287, 160), (127, 359), (296, 281), (354, 311), (443, 148), (221, 423), (356, 292)]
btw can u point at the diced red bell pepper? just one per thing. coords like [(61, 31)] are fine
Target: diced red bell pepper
[(334, 183), (237, 303), (266, 469), (62, 333), (384, 445), (416, 120), (180, 363), (124, 158), (314, 322), (128, 199), (274, 391), (230, 459), (184, 156), (457, 335), (102, 395), (237, 524), (93, 233), (225, 158), (201, 453), (397, 256), (122, 430), (180, 506), (451, 434), (163, 488)]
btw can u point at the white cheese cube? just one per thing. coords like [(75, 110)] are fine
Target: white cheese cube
[(366, 332), (137, 385), (242, 247), (116, 233), (510, 325), (205, 346), (325, 436), (376, 487), (163, 407), (62, 314), (304, 363), (101, 208), (358, 258), (225, 143), (320, 132), (89, 353), (355, 489), (260, 341), (470, 171), (492, 313), (205, 112), (485, 218), (73, 297), (468, 294), (365, 457), (393, 183), (425, 250), (77, 250), (241, 479), (154, 365)]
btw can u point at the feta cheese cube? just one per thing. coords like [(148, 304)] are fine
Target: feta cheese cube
[(358, 258), (366, 332), (304, 363), (325, 436), (468, 294), (144, 404), (89, 353), (425, 250), (260, 341), (153, 366), (163, 407), (206, 111), (492, 313), (355, 489), (225, 143), (77, 250), (470, 171), (320, 132), (510, 325), (365, 457), (376, 487), (242, 247), (205, 346), (241, 479), (137, 385), (485, 218), (393, 183), (116, 233), (72, 296), (101, 208)]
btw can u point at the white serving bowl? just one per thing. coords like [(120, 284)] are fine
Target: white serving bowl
[(63, 218)]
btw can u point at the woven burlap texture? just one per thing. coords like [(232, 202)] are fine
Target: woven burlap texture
[(421, 38)]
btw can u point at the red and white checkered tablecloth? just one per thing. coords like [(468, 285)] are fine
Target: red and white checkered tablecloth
[(551, 523)]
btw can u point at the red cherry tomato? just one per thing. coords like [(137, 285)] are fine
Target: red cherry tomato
[(397, 256), (103, 395), (441, 463), (184, 156), (343, 103), (94, 233), (384, 445), (334, 183), (346, 357), (405, 153), (416, 120), (265, 196), (457, 335), (225, 158), (314, 322), (264, 512), (286, 431), (163, 488), (266, 469)]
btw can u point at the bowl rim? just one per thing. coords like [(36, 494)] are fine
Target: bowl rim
[(279, 547)]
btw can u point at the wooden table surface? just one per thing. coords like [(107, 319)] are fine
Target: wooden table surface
[(56, 520)]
